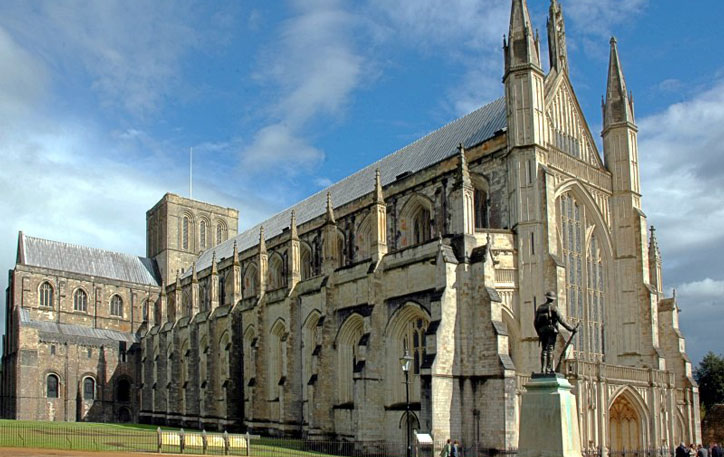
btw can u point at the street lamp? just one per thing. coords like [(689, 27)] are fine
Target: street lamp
[(405, 362)]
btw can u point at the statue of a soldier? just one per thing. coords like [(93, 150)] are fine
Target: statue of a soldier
[(546, 323)]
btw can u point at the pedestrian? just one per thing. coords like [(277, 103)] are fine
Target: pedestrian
[(456, 449), (682, 451), (702, 451), (716, 450), (446, 449)]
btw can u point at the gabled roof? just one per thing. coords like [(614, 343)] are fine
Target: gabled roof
[(470, 130), (55, 255), (74, 333)]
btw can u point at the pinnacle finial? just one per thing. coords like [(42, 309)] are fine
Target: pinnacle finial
[(194, 276), (378, 186), (262, 241), (213, 262), (330, 209), (235, 256), (293, 225)]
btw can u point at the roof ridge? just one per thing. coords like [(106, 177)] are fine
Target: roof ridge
[(75, 245)]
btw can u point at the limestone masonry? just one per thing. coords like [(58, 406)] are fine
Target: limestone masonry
[(442, 249)]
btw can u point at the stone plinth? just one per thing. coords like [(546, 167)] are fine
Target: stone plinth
[(548, 419)]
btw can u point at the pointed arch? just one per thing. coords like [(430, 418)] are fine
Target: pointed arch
[(416, 220), (276, 358), (250, 288), (347, 343), (481, 200), (405, 331), (275, 276), (363, 238), (305, 260), (627, 416)]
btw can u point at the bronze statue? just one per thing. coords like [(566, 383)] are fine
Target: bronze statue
[(546, 323)]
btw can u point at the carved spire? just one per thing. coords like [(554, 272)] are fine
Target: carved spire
[(557, 38), (378, 187), (262, 241), (235, 255), (163, 288), (214, 267), (194, 276), (522, 47), (178, 280), (330, 210), (293, 226), (463, 166), (654, 252), (617, 107)]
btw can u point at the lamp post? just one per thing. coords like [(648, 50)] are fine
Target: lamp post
[(405, 362)]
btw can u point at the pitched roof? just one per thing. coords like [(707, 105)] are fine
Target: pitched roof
[(75, 333), (55, 255), (471, 129)]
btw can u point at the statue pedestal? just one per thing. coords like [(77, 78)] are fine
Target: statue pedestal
[(549, 419)]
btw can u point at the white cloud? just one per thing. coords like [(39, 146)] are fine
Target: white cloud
[(315, 67), (705, 289), (23, 79), (130, 52), (598, 17), (277, 146)]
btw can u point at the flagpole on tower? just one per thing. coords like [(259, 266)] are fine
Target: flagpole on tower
[(191, 173)]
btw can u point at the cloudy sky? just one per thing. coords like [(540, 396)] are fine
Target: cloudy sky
[(100, 102)]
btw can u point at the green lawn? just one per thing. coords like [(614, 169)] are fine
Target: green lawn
[(91, 436)]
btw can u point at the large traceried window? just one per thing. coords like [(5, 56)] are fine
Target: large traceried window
[(406, 333), (585, 277), (45, 296)]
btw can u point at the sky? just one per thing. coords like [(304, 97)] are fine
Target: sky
[(101, 101)]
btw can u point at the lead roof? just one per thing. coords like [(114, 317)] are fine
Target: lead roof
[(470, 130)]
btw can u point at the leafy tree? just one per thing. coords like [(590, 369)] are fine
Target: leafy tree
[(710, 376)]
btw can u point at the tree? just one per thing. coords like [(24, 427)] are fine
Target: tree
[(710, 376)]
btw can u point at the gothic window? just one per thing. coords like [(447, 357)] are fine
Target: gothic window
[(145, 311), (421, 226), (305, 263), (224, 360), (364, 238), (276, 273), (89, 389), (276, 362), (205, 299), (585, 277), (202, 233), (480, 200), (249, 362), (45, 296), (341, 251), (222, 290), (80, 300), (51, 386), (220, 232), (185, 233), (309, 345), (157, 313), (347, 356), (250, 281), (116, 306), (406, 332)]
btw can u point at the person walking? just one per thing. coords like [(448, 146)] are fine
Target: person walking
[(682, 451), (456, 449), (716, 450), (446, 449), (702, 451)]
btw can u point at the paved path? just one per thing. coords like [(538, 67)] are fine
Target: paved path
[(25, 452)]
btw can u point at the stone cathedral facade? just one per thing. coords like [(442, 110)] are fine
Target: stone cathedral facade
[(441, 250)]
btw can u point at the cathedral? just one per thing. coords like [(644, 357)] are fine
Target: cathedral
[(439, 252)]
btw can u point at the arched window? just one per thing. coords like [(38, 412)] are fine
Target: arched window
[(585, 276), (202, 234), (421, 226), (406, 333), (250, 281), (89, 389), (347, 353), (51, 382), (145, 311), (185, 233), (276, 277), (363, 241), (157, 317), (305, 262), (116, 306), (80, 300), (480, 199), (220, 232), (123, 390), (45, 296)]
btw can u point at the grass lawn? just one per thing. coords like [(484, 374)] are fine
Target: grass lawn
[(90, 436)]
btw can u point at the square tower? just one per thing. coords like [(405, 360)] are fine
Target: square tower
[(178, 229)]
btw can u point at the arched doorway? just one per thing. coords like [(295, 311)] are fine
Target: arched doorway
[(625, 427)]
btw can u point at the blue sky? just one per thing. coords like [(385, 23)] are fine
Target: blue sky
[(101, 101)]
